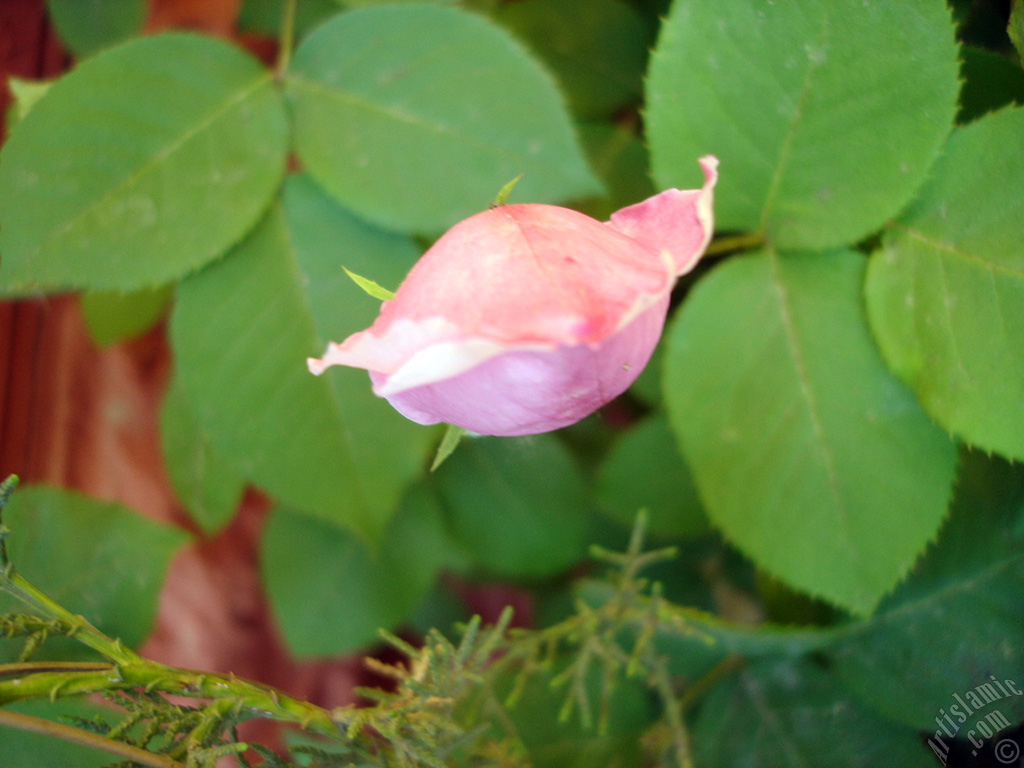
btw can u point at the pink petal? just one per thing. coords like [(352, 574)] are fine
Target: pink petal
[(524, 392), (529, 273), (389, 351), (679, 221)]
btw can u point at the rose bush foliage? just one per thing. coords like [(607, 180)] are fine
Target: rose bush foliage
[(826, 433)]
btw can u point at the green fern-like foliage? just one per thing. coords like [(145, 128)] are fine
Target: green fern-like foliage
[(452, 702)]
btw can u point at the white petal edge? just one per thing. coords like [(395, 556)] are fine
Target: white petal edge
[(706, 200), (446, 360)]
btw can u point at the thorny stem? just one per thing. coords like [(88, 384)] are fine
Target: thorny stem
[(128, 670), (74, 735), (16, 585), (250, 699)]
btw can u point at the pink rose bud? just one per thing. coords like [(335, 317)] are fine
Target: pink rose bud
[(526, 318)]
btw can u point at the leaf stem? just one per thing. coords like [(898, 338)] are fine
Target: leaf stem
[(708, 680), (747, 640), (251, 699), (127, 752), (287, 38), (729, 243), (35, 667), (18, 586)]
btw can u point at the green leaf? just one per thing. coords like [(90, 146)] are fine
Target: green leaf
[(24, 95), (331, 594), (823, 128), (98, 559), (241, 331), (619, 158), (369, 287), (414, 115), (452, 437), (958, 621), (205, 483), (86, 27), (142, 164), (116, 317), (790, 713), (518, 506), (1015, 28), (644, 470), (647, 387), (945, 293), (990, 81), (808, 454), (440, 609), (596, 48)]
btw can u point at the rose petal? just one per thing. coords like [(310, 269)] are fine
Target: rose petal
[(387, 352), (529, 273), (524, 391), (679, 221), (533, 275)]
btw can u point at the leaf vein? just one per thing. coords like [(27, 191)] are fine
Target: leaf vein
[(793, 342), (157, 159), (787, 142), (415, 121), (347, 443), (960, 253)]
